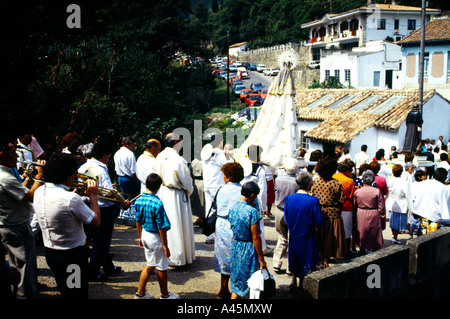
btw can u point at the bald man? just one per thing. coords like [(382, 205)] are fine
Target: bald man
[(175, 194), (145, 164)]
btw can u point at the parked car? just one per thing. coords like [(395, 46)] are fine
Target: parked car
[(237, 89), (252, 67), (233, 68), (244, 93), (256, 87), (253, 100), (271, 71), (260, 67), (314, 64), (237, 82), (263, 93), (243, 71)]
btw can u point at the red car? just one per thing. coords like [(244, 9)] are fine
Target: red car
[(253, 100), (244, 93), (263, 93)]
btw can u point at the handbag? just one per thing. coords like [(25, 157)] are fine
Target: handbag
[(262, 285), (269, 286), (209, 223)]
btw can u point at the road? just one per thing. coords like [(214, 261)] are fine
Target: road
[(258, 77)]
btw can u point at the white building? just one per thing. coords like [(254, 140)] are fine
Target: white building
[(351, 118), (236, 48), (352, 31), (436, 58), (376, 65)]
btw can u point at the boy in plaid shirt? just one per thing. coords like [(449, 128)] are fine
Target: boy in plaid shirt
[(152, 225)]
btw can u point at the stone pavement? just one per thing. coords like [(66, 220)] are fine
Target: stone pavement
[(195, 281)]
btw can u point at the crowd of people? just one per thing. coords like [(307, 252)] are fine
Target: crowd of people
[(329, 206)]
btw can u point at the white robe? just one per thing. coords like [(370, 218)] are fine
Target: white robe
[(430, 199), (213, 176), (175, 195)]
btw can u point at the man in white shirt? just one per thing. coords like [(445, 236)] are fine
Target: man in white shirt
[(145, 164), (443, 162), (125, 166), (258, 175), (109, 210), (62, 215), (361, 158), (175, 194)]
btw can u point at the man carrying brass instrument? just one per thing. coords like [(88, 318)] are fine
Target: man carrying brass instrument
[(16, 209), (109, 210), (62, 214)]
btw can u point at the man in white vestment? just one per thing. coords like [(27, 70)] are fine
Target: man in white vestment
[(430, 198), (212, 175), (175, 194), (145, 164)]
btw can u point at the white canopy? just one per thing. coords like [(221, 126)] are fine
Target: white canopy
[(275, 129)]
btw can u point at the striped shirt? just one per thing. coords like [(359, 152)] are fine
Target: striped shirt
[(150, 213)]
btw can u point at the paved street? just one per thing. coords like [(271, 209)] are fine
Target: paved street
[(196, 281)]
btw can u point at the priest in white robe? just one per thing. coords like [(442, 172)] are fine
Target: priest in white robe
[(175, 195), (430, 200)]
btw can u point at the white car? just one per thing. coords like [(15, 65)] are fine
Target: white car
[(271, 71), (260, 67)]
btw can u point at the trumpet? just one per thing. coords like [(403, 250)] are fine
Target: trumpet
[(80, 183)]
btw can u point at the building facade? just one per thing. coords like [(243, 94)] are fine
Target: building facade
[(436, 57)]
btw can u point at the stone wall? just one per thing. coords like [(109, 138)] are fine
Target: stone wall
[(303, 75), (419, 269)]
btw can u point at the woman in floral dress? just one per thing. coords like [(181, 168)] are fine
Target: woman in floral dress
[(227, 196), (331, 196)]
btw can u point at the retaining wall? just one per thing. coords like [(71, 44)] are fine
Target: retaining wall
[(419, 269), (303, 75)]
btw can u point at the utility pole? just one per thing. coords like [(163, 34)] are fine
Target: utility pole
[(422, 55), (228, 68)]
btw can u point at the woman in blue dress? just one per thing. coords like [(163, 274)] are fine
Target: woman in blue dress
[(246, 253), (227, 196), (303, 216)]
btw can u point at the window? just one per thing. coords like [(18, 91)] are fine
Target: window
[(426, 63), (411, 24), (396, 24), (448, 65), (381, 24), (327, 75), (305, 140), (337, 74), (347, 76)]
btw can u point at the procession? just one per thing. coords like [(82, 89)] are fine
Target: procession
[(324, 205)]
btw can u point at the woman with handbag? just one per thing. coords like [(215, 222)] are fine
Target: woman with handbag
[(226, 197), (246, 252)]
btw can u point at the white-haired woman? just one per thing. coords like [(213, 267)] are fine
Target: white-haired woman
[(370, 212), (303, 215)]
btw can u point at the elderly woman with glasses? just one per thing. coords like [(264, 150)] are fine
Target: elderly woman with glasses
[(370, 213)]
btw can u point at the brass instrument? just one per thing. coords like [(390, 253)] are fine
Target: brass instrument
[(80, 184)]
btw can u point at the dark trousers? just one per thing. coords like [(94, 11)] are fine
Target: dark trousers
[(101, 242), (70, 268), (130, 186)]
